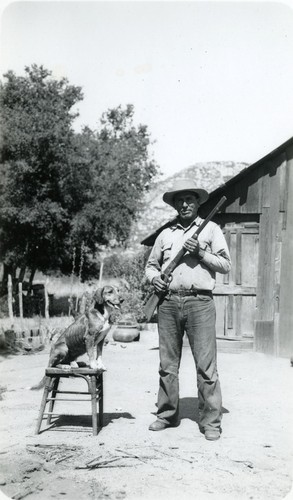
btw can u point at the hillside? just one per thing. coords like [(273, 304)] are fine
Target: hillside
[(155, 212)]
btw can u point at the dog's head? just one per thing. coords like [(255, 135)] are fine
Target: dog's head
[(107, 296)]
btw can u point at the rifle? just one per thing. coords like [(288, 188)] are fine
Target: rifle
[(154, 299)]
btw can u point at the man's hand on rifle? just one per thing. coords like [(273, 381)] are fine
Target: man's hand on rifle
[(192, 246), (159, 284)]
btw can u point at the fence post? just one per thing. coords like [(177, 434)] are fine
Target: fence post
[(103, 255), (101, 271), (10, 306), (46, 299), (82, 304), (20, 301)]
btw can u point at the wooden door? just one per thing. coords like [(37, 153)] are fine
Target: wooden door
[(235, 292)]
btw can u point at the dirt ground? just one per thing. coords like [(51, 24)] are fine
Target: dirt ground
[(252, 460)]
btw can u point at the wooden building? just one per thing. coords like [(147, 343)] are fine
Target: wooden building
[(255, 299)]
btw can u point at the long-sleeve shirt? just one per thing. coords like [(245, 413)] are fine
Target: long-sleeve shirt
[(197, 272)]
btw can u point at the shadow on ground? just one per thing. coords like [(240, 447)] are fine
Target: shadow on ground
[(188, 408), (69, 423)]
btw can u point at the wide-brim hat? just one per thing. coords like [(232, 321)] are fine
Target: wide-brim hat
[(185, 185)]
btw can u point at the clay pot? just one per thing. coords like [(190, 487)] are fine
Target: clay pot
[(126, 332)]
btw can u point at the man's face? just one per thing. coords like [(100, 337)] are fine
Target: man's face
[(186, 204)]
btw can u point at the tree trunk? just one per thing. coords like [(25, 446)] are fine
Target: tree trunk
[(21, 274), (31, 279), (7, 270), (4, 280)]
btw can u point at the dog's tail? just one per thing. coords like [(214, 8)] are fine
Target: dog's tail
[(40, 385)]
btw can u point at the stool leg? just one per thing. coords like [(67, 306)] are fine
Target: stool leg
[(93, 389), (43, 404), (52, 402), (101, 401)]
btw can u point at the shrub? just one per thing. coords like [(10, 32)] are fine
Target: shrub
[(130, 270)]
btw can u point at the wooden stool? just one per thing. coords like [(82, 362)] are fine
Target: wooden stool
[(94, 380)]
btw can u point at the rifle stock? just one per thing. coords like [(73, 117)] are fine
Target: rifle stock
[(154, 299)]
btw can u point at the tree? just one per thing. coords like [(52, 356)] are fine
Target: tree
[(121, 171), (62, 191), (36, 139)]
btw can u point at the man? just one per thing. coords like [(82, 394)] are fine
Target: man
[(187, 306)]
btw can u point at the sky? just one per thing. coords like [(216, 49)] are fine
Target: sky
[(211, 80)]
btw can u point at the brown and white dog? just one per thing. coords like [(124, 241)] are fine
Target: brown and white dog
[(86, 334)]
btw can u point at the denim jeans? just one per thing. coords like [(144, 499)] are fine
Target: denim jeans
[(197, 317)]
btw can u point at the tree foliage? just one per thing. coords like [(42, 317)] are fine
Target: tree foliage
[(61, 190), (36, 138), (120, 172)]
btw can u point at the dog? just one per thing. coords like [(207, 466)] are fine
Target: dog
[(87, 334)]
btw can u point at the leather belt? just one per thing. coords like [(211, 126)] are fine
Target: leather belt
[(194, 292)]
